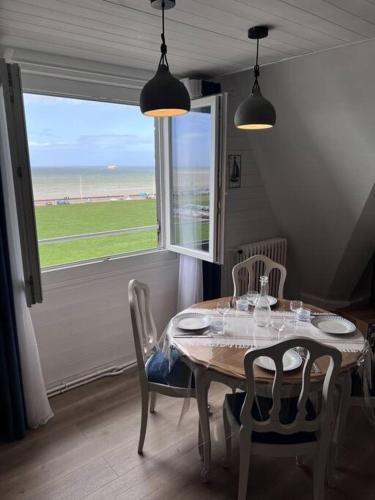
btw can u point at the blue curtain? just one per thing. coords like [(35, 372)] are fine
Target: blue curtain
[(211, 280), (12, 407)]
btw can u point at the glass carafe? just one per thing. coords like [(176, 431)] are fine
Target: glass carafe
[(262, 310)]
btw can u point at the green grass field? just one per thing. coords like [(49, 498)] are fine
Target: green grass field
[(63, 220), (77, 219), (69, 220)]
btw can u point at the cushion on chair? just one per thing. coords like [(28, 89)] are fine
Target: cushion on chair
[(260, 412), (169, 370)]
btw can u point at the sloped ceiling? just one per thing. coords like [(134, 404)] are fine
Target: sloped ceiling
[(206, 37)]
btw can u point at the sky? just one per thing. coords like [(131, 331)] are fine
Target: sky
[(72, 132), (191, 139), (64, 132)]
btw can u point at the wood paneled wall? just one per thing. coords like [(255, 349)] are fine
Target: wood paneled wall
[(84, 323)]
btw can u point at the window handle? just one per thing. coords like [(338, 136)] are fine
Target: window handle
[(158, 231)]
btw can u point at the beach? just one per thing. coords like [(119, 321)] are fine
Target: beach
[(52, 185), (96, 183)]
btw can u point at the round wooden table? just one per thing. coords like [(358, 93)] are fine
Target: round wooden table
[(225, 365), (229, 361)]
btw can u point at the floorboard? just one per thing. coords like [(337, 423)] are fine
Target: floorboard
[(89, 451)]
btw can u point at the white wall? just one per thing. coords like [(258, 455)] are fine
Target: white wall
[(318, 165), (249, 216), (84, 322)]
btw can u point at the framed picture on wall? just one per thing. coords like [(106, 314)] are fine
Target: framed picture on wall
[(234, 171)]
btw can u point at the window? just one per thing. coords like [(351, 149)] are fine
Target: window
[(81, 174), (93, 176), (194, 186)]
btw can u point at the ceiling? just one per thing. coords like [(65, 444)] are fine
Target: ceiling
[(205, 37)]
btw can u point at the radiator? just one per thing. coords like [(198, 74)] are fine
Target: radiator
[(275, 249)]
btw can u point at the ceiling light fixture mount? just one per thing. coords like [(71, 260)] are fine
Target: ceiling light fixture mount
[(164, 95), (158, 4), (255, 112), (258, 32)]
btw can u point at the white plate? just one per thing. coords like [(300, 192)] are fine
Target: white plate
[(334, 325), (291, 361), (272, 300), (191, 322)]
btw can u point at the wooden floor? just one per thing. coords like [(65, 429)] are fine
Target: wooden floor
[(89, 451)]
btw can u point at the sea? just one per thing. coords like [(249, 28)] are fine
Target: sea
[(53, 183)]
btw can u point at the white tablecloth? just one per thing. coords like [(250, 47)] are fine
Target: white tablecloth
[(240, 330)]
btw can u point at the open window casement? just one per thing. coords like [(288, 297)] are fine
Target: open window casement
[(16, 176), (193, 157)]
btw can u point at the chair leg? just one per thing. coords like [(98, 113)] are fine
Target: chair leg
[(320, 469), (245, 453), (227, 437), (152, 402), (202, 384), (142, 435), (200, 442)]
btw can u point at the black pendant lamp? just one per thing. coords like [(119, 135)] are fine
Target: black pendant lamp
[(255, 112), (164, 95)]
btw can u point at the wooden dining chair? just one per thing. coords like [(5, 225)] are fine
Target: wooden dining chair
[(158, 372), (284, 425), (247, 272)]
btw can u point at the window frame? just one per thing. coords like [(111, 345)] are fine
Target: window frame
[(217, 103), (105, 258), (91, 84), (17, 176)]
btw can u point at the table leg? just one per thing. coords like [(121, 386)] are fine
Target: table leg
[(202, 384)]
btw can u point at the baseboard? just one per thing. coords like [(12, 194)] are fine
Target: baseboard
[(109, 371)]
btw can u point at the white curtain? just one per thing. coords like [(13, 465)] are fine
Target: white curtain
[(190, 282), (38, 410)]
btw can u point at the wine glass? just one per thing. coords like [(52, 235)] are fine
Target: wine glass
[(278, 324)]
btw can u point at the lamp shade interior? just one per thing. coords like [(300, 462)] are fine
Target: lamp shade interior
[(167, 112), (254, 126)]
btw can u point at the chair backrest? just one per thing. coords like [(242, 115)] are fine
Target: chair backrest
[(271, 422), (144, 329), (253, 267)]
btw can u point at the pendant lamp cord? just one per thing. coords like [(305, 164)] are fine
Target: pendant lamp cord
[(256, 70), (163, 46)]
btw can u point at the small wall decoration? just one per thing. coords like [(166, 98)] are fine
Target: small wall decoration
[(234, 171)]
